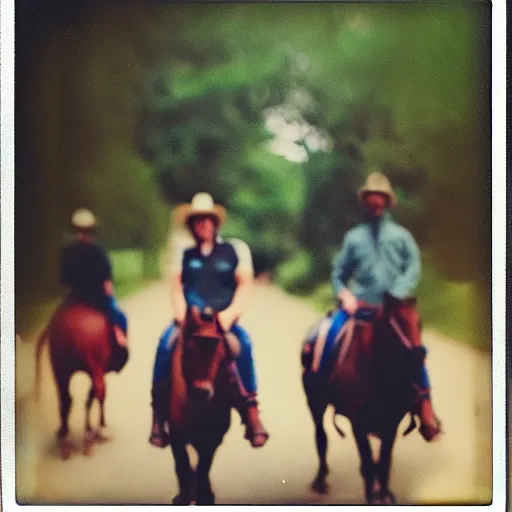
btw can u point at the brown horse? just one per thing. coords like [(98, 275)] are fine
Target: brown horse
[(80, 339), (372, 385), (201, 398)]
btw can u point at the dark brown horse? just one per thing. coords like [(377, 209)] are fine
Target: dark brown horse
[(80, 339), (200, 402), (372, 385)]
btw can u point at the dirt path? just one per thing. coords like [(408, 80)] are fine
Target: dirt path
[(127, 470)]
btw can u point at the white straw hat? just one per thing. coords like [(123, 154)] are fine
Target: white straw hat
[(202, 204), (377, 182), (83, 219)]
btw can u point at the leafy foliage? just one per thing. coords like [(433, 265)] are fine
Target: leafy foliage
[(134, 109)]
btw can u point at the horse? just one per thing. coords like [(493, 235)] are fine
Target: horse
[(372, 385), (80, 339), (200, 401)]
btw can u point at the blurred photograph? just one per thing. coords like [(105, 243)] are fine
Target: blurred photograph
[(253, 253)]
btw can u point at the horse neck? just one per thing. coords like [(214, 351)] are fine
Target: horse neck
[(365, 332), (405, 323)]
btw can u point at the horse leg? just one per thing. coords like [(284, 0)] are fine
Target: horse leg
[(89, 435), (88, 406), (205, 495), (64, 406), (368, 468), (98, 391), (102, 434), (317, 406), (384, 466), (320, 483), (185, 474)]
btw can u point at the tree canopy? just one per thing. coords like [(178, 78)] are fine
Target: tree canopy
[(130, 110)]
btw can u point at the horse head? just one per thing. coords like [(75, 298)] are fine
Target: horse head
[(204, 350)]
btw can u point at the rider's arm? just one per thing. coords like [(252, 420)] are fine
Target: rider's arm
[(343, 266), (105, 271), (245, 280), (244, 275), (179, 305), (408, 280), (178, 302)]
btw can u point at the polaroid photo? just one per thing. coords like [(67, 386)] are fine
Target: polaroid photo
[(253, 254)]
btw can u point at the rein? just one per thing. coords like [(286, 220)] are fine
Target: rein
[(400, 333)]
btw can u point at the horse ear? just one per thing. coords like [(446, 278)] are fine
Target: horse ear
[(195, 313)]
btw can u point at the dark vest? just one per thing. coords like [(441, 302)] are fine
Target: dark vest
[(210, 280)]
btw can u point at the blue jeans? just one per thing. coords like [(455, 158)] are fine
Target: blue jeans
[(244, 361), (339, 317)]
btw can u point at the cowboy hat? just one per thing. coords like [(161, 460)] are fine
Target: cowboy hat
[(83, 219), (377, 182), (201, 204)]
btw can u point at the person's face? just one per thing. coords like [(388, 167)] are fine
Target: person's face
[(375, 203), (203, 228), (82, 233)]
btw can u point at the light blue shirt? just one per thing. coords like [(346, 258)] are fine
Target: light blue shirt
[(377, 256)]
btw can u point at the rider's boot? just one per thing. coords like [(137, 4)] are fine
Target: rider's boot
[(247, 406), (254, 430), (159, 436), (119, 355), (120, 336)]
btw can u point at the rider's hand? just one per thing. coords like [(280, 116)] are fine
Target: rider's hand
[(226, 320), (179, 319), (348, 301), (108, 288)]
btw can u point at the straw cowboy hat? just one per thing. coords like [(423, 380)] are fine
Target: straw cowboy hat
[(377, 182), (83, 219), (201, 204)]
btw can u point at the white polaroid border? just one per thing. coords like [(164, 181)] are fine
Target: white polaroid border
[(7, 256), (498, 272)]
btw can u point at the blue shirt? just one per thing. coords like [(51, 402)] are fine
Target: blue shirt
[(377, 256)]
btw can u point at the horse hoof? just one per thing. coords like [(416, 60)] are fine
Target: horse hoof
[(88, 443), (65, 447), (320, 486), (181, 499), (374, 499), (102, 434), (207, 499), (388, 498)]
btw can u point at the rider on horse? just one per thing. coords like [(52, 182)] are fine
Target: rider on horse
[(216, 273), (376, 257), (86, 270)]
